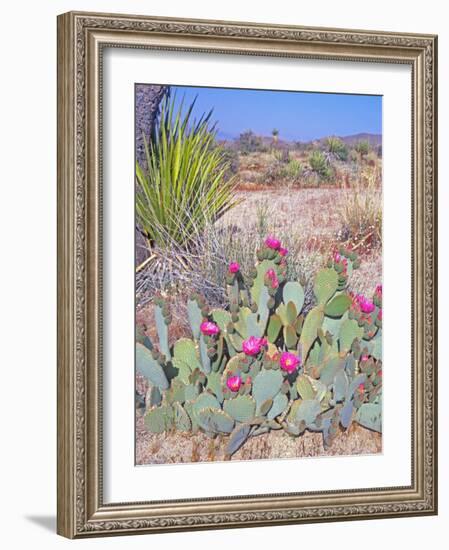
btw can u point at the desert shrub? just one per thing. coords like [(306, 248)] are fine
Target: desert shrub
[(264, 363), (231, 158), (249, 142), (293, 170), (361, 213), (319, 164), (362, 147), (184, 184), (337, 148)]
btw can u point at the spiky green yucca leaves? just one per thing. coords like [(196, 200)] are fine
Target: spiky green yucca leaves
[(184, 185)]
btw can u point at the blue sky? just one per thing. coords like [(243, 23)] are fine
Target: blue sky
[(299, 116)]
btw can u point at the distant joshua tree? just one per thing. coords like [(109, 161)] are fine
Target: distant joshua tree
[(275, 134)]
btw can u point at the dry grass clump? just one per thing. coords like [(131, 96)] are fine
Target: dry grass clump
[(361, 213)]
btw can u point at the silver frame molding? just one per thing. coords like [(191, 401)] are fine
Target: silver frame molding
[(81, 39)]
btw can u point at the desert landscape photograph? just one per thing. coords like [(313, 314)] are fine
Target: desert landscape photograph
[(258, 274)]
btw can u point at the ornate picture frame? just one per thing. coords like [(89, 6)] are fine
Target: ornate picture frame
[(82, 38)]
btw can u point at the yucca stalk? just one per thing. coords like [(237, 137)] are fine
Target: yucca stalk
[(184, 185)]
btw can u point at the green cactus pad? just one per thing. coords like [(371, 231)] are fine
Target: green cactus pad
[(191, 392), (280, 404), (236, 341), (214, 385), (341, 386), (176, 392), (153, 397), (325, 285), (265, 407), (312, 323), (355, 383), (184, 371), (306, 411), (346, 414), (293, 292), (181, 418), (290, 337), (162, 331), (242, 408), (274, 327), (203, 401), (259, 282), (253, 327), (330, 369), (214, 420), (338, 306), (305, 387), (149, 367), (142, 338), (235, 365), (266, 385), (195, 317), (222, 318), (237, 438), (159, 419), (184, 350), (375, 345), (205, 359), (349, 331), (369, 415)]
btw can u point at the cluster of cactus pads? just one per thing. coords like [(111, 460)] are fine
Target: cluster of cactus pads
[(263, 364)]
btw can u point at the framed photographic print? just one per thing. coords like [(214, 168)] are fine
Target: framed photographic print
[(246, 274)]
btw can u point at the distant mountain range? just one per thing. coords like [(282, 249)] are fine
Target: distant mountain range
[(373, 139)]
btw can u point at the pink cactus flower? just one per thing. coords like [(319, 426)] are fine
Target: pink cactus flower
[(252, 345), (283, 252), (209, 329), (289, 362), (234, 267), (361, 388), (337, 257), (379, 315), (378, 290), (272, 242), (234, 382), (271, 274), (365, 305), (364, 358)]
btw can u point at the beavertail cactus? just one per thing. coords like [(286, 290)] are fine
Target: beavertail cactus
[(265, 362)]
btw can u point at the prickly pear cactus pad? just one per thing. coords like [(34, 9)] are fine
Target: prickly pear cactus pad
[(266, 365)]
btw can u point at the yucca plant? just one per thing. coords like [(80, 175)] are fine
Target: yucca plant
[(337, 148), (185, 183), (319, 164)]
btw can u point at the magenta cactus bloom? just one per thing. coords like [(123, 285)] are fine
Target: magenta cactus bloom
[(365, 305), (283, 252), (378, 291), (364, 358), (274, 281), (289, 362), (252, 345), (272, 242), (379, 315), (209, 329), (234, 382), (337, 257), (234, 267)]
